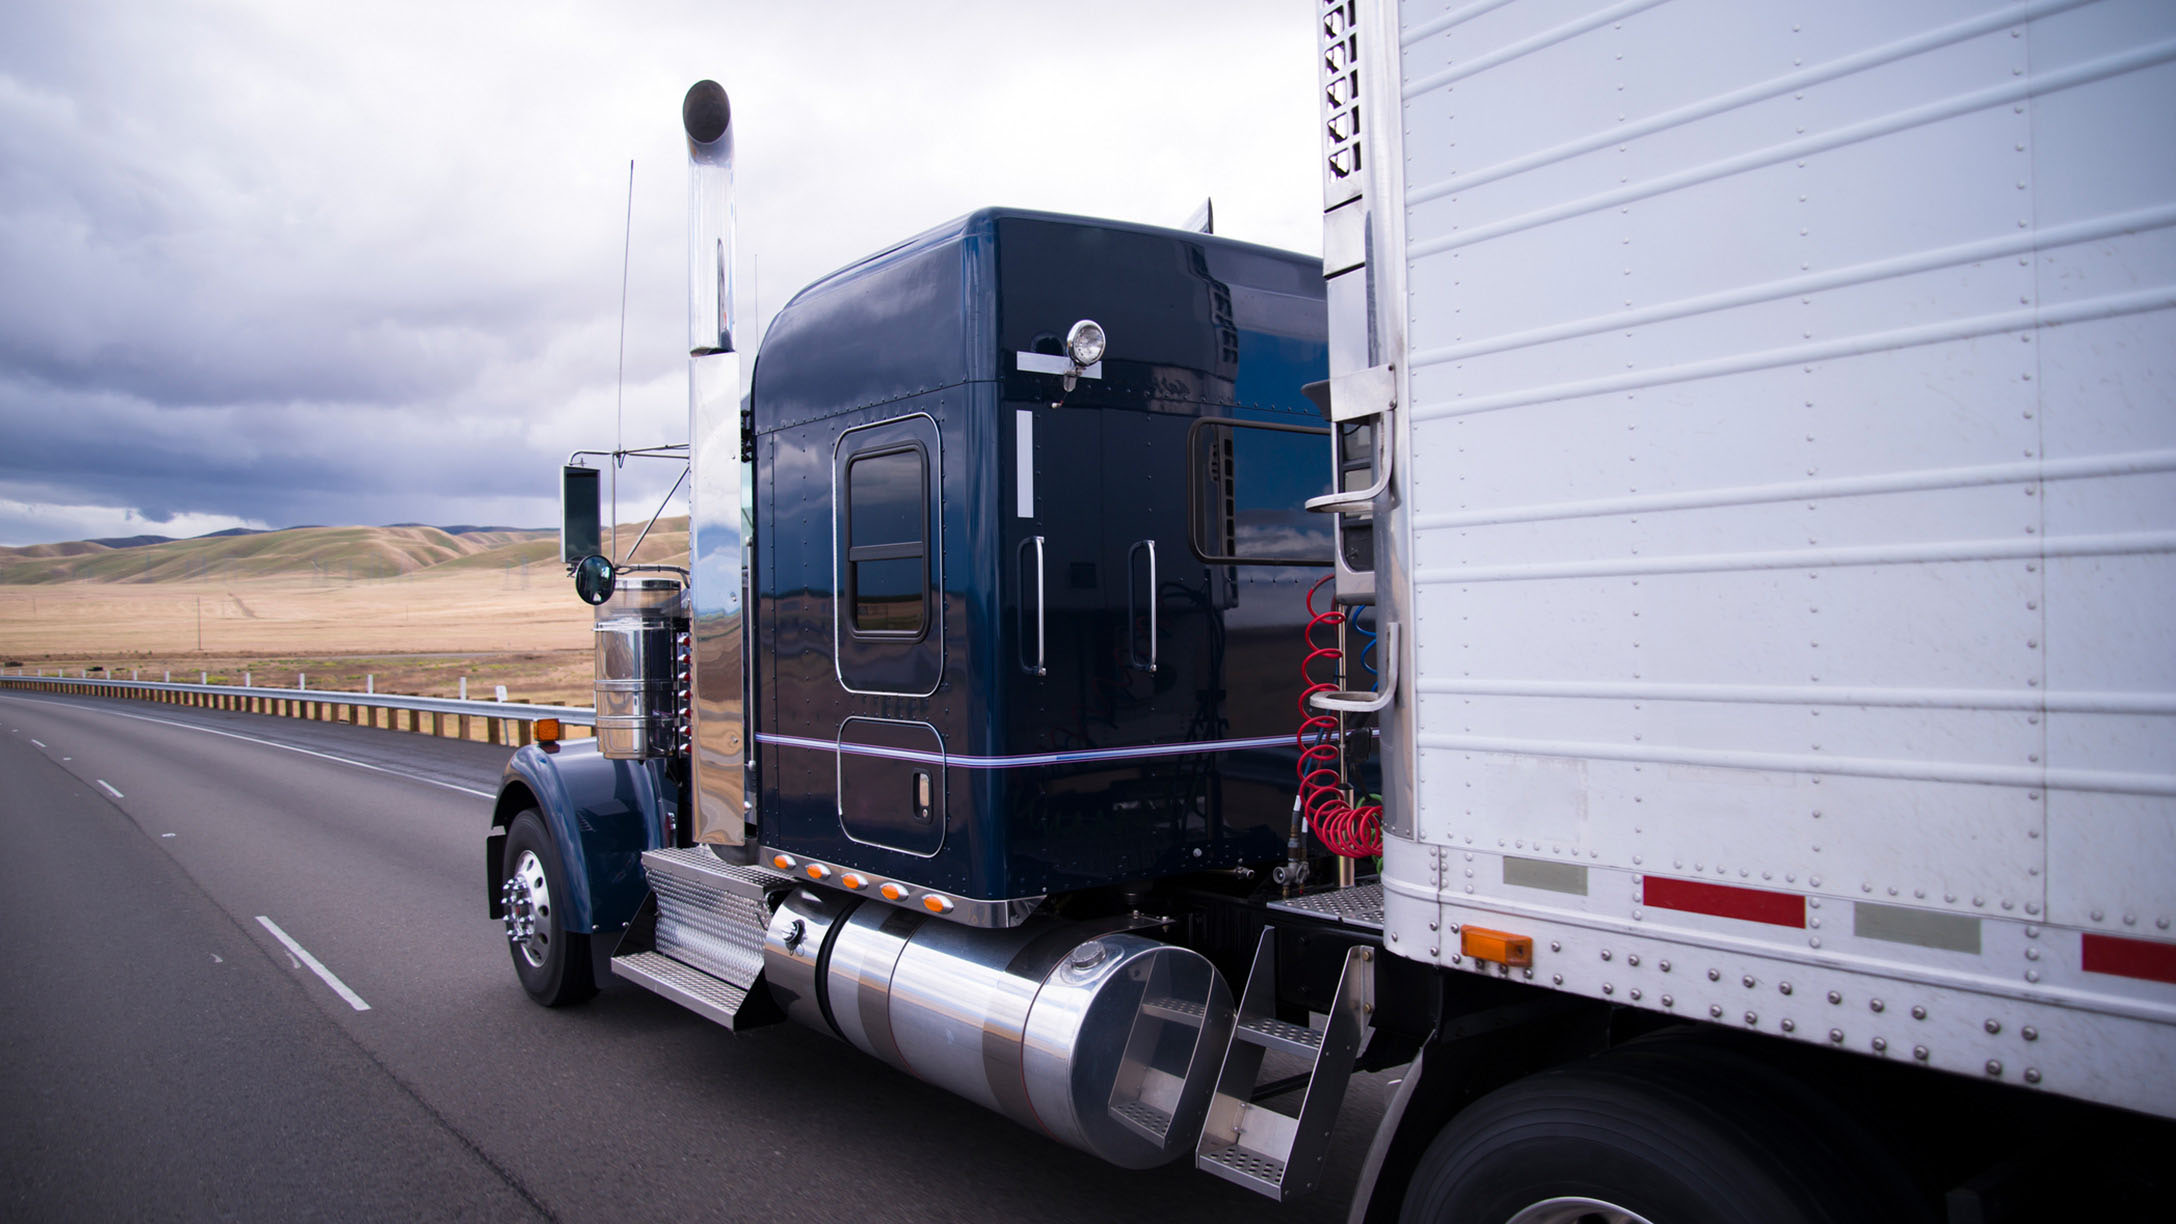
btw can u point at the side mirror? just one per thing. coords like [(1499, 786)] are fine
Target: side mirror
[(594, 578), (581, 530)]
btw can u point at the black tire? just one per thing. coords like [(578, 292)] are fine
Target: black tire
[(1674, 1133), (552, 962)]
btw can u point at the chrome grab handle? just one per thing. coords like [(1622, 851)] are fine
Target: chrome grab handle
[(1131, 603), (1038, 667), (1357, 501), (1386, 681)]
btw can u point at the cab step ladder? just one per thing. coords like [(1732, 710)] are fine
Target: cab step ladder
[(698, 938), (1268, 1151)]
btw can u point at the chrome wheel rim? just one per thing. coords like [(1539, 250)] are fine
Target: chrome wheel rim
[(1576, 1211), (527, 897)]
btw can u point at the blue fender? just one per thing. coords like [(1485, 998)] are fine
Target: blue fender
[(601, 814)]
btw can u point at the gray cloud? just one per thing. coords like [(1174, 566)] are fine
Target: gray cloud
[(273, 263)]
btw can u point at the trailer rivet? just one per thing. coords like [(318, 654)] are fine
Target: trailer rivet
[(1664, 966), (1836, 1035), (2032, 1075), (1435, 951), (1668, 1001), (1529, 974), (1431, 926), (1747, 980), (1633, 960), (1605, 954), (1881, 1045), (1608, 989), (2032, 975), (1789, 1025), (1993, 1026), (1876, 1004), (1835, 996), (2029, 1033), (1715, 975), (1994, 1066), (1715, 1010), (1752, 1018), (1556, 979), (1554, 946), (1919, 1012), (1635, 994), (2032, 954)]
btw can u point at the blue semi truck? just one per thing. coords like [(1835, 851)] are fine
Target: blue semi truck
[(1572, 639)]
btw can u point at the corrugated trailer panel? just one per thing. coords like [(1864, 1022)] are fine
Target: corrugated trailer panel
[(1792, 497)]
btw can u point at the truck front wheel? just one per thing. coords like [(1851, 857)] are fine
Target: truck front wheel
[(552, 962), (1656, 1135)]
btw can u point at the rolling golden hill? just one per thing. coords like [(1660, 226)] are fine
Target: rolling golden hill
[(342, 554)]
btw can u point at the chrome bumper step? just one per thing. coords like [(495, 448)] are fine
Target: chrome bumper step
[(698, 939)]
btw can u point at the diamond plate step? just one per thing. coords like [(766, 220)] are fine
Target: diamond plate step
[(1280, 1035), (690, 988), (1257, 1172), (1173, 1009), (1153, 1123), (711, 915), (1360, 905), (1265, 1149)]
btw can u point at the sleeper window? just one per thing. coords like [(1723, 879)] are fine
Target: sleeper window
[(887, 553)]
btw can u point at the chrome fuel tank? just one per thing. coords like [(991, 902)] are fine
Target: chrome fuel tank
[(1105, 1040)]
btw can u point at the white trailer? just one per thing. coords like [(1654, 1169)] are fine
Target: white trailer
[(1763, 420)]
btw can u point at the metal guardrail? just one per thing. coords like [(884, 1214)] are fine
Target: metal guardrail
[(505, 722)]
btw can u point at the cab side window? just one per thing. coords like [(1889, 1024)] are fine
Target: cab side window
[(887, 545)]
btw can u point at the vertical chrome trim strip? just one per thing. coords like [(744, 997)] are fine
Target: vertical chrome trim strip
[(1024, 462)]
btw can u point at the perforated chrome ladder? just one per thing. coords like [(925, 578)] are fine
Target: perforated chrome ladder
[(1264, 1149)]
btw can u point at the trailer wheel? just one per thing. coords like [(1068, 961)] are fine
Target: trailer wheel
[(552, 962), (1656, 1135)]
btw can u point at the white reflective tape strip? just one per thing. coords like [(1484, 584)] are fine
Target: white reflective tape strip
[(317, 967), (109, 789), (1024, 462)]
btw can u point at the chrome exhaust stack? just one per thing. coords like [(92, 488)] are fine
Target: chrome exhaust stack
[(718, 522), (1100, 1038)]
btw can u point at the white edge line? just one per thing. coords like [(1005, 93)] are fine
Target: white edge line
[(167, 722), (317, 967), (109, 789)]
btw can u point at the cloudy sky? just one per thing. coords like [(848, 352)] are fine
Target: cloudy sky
[(265, 263)]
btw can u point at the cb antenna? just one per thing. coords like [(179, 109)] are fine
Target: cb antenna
[(619, 395)]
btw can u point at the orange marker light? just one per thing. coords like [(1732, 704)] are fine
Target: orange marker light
[(817, 871), (936, 904), (1482, 944), (784, 862), (854, 879), (893, 891), (546, 730)]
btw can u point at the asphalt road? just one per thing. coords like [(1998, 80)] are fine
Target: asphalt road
[(164, 1054)]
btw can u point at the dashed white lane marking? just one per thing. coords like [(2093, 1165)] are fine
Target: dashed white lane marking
[(39, 742), (109, 789), (317, 967), (167, 722), (216, 960)]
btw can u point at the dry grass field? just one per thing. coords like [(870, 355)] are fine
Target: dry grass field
[(500, 615)]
